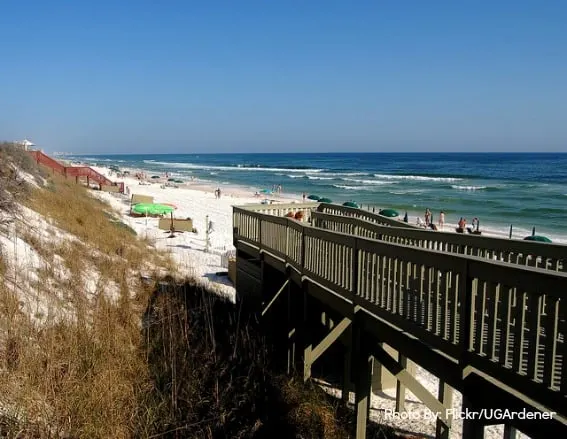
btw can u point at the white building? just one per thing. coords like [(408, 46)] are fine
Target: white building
[(26, 144)]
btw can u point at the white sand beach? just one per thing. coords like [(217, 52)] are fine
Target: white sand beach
[(196, 201)]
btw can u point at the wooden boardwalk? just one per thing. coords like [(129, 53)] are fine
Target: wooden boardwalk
[(474, 308)]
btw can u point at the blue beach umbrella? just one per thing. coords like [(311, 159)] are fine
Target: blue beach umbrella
[(325, 200), (314, 197)]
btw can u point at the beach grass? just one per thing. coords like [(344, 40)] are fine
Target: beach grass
[(78, 358)]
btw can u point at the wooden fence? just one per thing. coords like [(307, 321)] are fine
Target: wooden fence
[(529, 253)]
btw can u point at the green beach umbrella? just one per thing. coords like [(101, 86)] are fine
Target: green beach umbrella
[(325, 200), (178, 181), (171, 179), (115, 168), (537, 238), (391, 213), (314, 197), (156, 176), (152, 209), (351, 204), (266, 191)]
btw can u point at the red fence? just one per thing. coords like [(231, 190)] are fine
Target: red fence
[(74, 171)]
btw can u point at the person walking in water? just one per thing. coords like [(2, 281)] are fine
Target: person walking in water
[(442, 220), (427, 217)]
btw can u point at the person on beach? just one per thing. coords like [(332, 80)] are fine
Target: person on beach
[(462, 224), (427, 217), (304, 197), (219, 192), (442, 220), (406, 218)]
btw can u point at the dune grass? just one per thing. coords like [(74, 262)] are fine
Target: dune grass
[(80, 375), (124, 359)]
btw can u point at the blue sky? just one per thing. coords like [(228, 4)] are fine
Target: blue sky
[(281, 76)]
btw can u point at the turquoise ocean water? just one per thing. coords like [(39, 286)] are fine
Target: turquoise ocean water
[(525, 190)]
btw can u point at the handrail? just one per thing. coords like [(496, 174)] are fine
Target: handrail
[(74, 171), (44, 159), (347, 211), (505, 320), (281, 209), (543, 255)]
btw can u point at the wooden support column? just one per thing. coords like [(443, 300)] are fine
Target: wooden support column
[(295, 326), (400, 387), (472, 428), (363, 365), (509, 432), (445, 396), (347, 363), (306, 335)]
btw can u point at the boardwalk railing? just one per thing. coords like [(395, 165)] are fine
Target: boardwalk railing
[(345, 211), (74, 171), (504, 320), (529, 253), (282, 209)]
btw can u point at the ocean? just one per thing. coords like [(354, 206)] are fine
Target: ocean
[(525, 190)]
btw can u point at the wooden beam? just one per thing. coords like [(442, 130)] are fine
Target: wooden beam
[(275, 297), (329, 339), (409, 381)]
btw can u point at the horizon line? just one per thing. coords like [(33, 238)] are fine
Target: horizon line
[(313, 152)]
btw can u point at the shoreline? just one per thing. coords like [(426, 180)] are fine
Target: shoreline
[(247, 192)]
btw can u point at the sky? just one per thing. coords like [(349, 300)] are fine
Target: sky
[(189, 76)]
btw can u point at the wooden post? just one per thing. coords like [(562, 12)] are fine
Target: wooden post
[(400, 388), (472, 428), (445, 396), (509, 432), (306, 336), (363, 365), (346, 341)]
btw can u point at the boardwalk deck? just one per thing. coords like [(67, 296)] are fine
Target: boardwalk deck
[(503, 319)]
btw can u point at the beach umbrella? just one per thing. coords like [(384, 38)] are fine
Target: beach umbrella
[(537, 238), (389, 213), (351, 204), (325, 200), (152, 209), (178, 181), (115, 168), (266, 191), (314, 197), (171, 179), (156, 176)]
